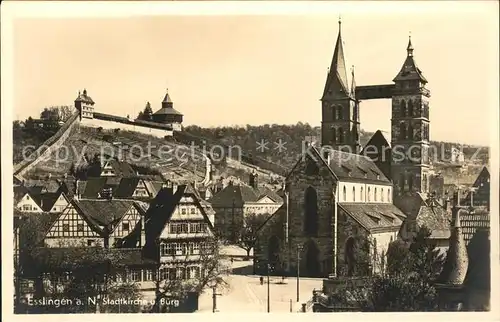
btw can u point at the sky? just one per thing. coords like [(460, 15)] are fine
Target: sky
[(257, 69)]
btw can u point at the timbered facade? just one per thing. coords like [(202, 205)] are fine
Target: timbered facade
[(94, 223), (178, 232)]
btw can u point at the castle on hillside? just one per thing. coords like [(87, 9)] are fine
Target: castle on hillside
[(162, 123)]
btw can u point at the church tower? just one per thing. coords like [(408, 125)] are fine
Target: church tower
[(410, 129), (340, 109)]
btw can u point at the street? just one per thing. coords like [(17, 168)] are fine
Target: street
[(245, 294)]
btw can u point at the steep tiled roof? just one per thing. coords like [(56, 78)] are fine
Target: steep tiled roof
[(126, 188), (34, 227), (241, 194), (161, 209), (374, 216), (438, 220), (121, 169), (105, 212), (94, 186), (349, 167), (481, 196)]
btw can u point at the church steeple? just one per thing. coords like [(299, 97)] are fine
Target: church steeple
[(340, 114), (337, 74), (410, 71)]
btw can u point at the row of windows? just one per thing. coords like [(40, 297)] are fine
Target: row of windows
[(338, 135), (29, 208), (376, 195), (407, 132), (80, 227), (409, 110), (177, 249), (184, 228), (146, 275), (184, 211)]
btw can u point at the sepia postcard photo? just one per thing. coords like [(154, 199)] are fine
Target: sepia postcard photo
[(250, 157)]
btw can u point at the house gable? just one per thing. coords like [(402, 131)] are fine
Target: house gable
[(71, 224), (266, 200), (28, 204), (190, 218), (127, 224), (60, 204)]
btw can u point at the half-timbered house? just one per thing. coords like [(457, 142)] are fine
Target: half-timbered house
[(38, 199), (177, 232), (104, 223)]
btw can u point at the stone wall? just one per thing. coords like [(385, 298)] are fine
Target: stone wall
[(51, 144), (106, 124)]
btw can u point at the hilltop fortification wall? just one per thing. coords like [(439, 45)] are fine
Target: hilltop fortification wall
[(51, 144)]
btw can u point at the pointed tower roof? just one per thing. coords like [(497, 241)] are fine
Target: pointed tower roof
[(167, 99), (167, 106), (410, 71), (338, 69), (457, 260), (353, 83)]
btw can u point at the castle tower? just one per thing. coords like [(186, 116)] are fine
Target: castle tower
[(85, 105), (410, 129), (167, 114), (340, 109)]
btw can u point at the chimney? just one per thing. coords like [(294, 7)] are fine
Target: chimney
[(77, 189), (254, 180), (143, 232)]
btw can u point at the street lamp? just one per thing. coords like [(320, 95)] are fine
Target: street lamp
[(268, 289), (299, 249)]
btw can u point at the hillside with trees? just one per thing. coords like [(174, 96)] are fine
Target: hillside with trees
[(263, 141)]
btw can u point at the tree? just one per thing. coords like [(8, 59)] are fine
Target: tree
[(247, 236), (148, 112), (140, 116), (50, 114), (212, 272), (65, 112), (406, 285)]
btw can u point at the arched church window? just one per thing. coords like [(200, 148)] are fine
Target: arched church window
[(389, 195), (334, 135), (344, 194), (311, 212), (410, 182), (410, 132), (340, 135), (424, 183), (349, 255), (375, 195), (361, 194), (368, 195), (339, 112), (382, 195), (402, 131), (353, 193), (334, 111), (410, 108), (403, 108)]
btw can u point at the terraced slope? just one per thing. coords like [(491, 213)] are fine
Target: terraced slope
[(171, 159)]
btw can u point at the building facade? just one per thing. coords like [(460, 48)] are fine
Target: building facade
[(335, 205)]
